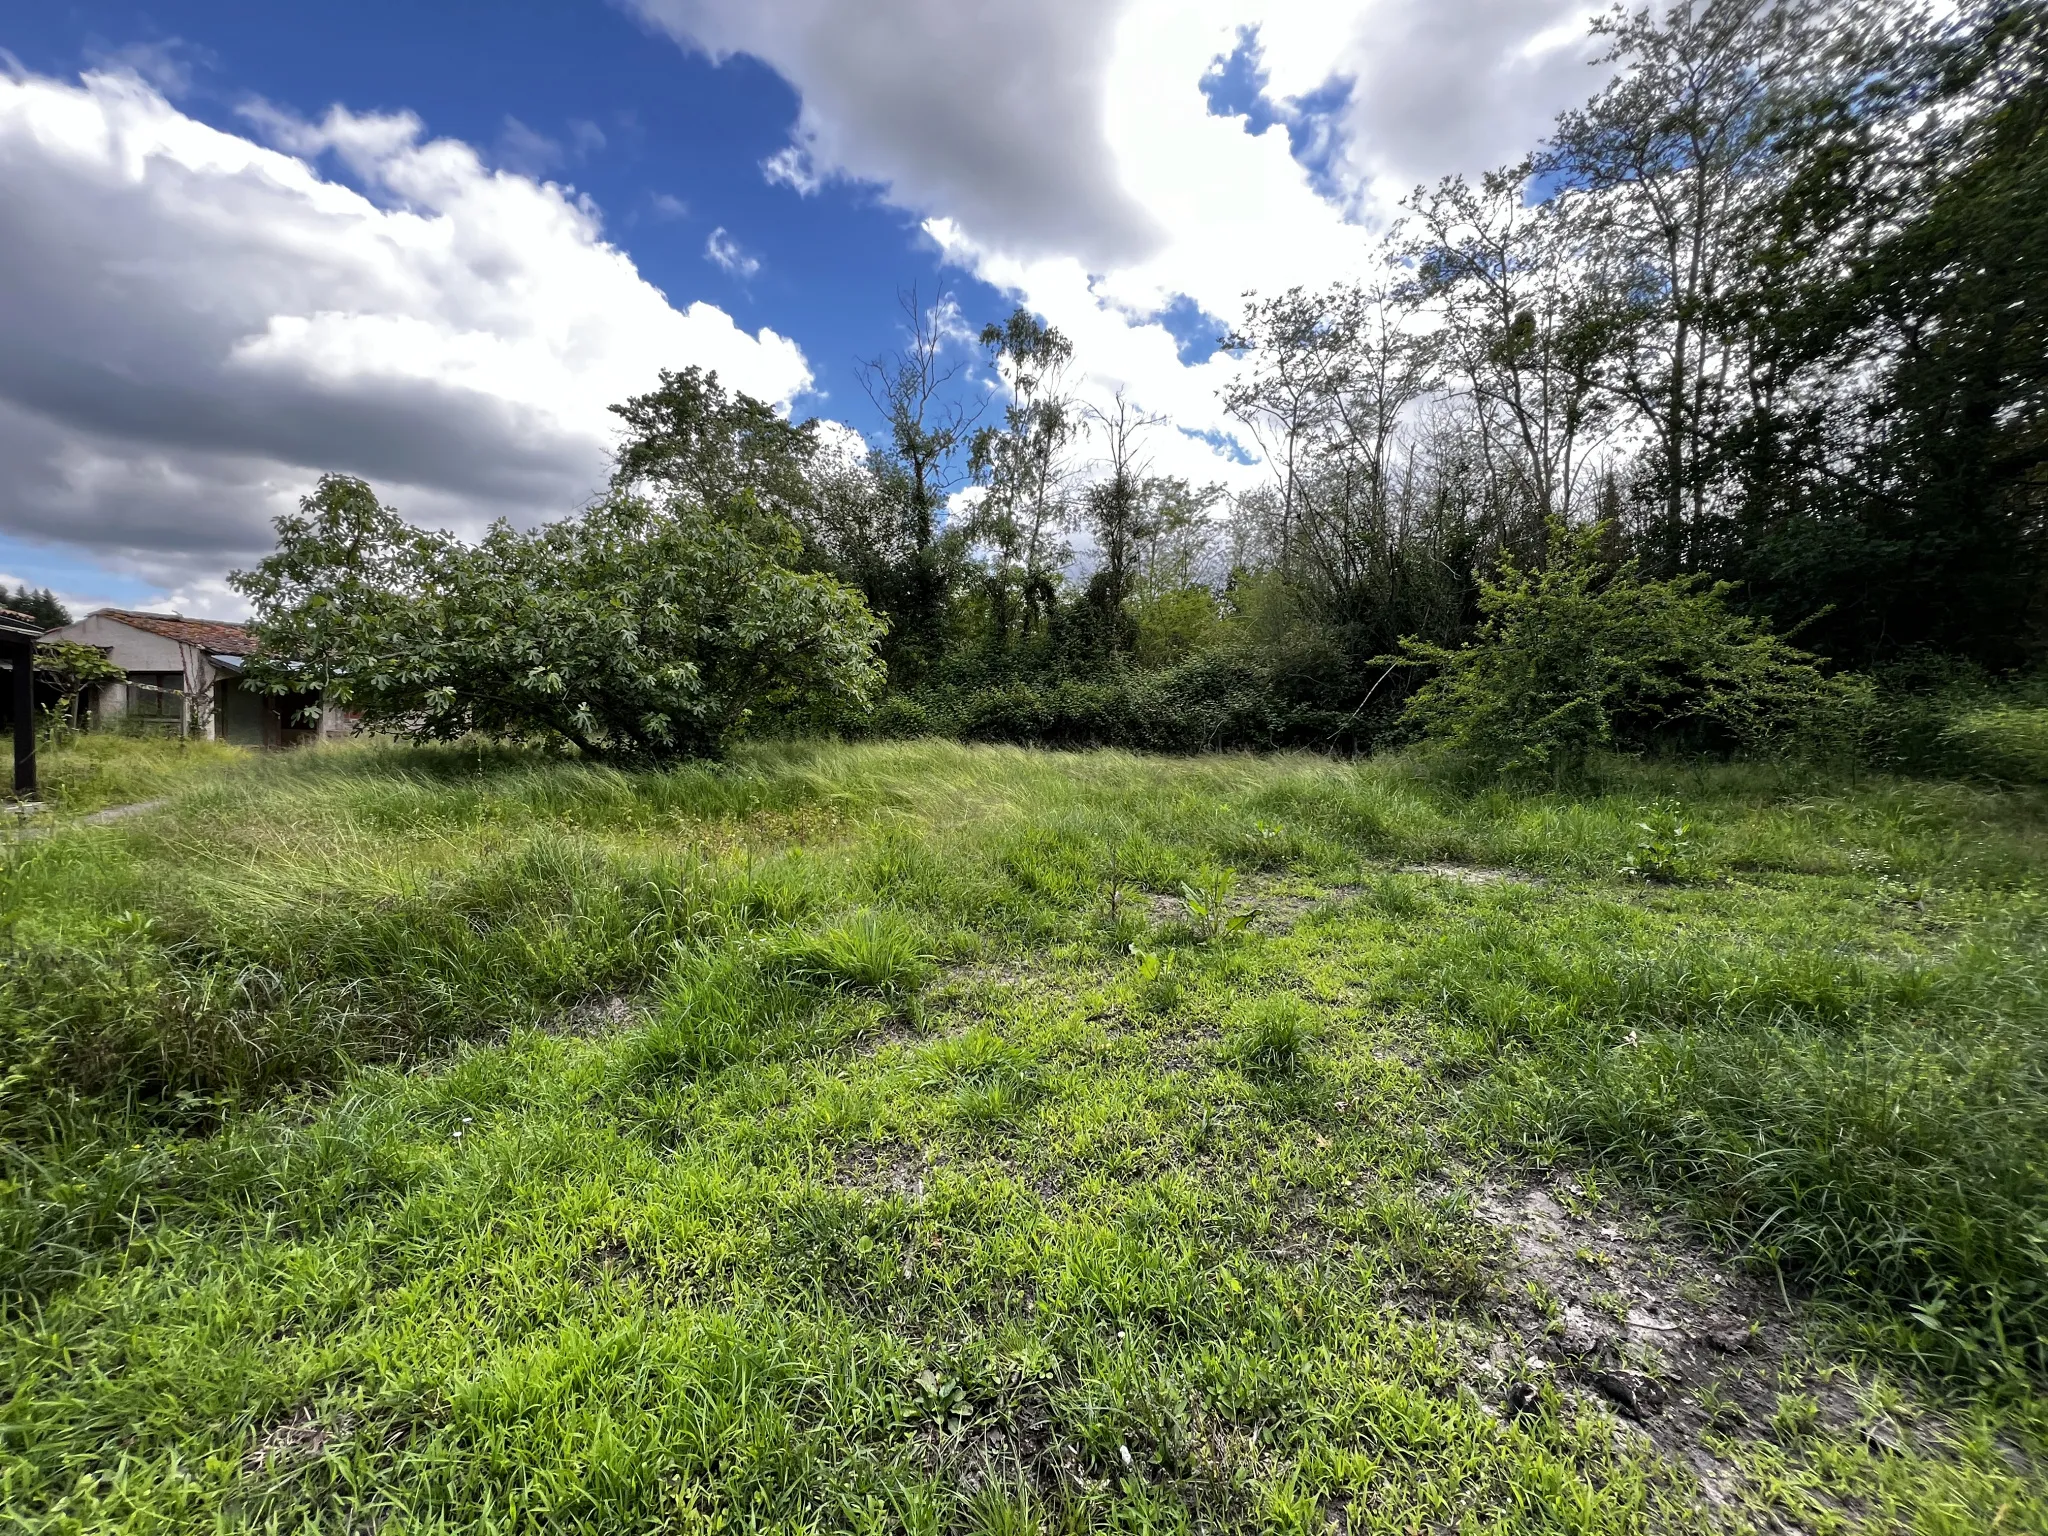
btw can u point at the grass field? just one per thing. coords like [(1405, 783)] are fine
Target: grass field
[(916, 1137), (94, 772)]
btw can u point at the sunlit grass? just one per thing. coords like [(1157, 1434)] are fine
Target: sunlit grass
[(461, 1140), (81, 772)]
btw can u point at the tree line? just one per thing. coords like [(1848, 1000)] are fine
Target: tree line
[(1762, 322)]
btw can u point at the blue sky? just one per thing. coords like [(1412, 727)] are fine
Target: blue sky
[(683, 138), (426, 243)]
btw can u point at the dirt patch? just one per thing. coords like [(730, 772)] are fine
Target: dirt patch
[(291, 1442), (882, 1168), (892, 1033), (596, 1017), (1469, 874), (1276, 904), (982, 990), (1616, 1308), (1280, 910)]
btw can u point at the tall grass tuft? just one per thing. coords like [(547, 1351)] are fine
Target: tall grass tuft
[(869, 952), (1270, 1037)]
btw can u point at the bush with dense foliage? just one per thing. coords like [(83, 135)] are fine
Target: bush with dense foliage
[(636, 630), (1220, 700), (1579, 656)]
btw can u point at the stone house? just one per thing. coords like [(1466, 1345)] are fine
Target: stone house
[(185, 678)]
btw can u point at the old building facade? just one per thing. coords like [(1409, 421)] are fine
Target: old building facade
[(185, 679)]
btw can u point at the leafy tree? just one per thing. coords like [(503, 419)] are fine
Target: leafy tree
[(1121, 510), (1582, 655), (1367, 529), (1669, 163), (1519, 326), (1894, 464), (635, 631), (1173, 608), (1299, 347), (42, 606), (908, 562), (1023, 467), (691, 437)]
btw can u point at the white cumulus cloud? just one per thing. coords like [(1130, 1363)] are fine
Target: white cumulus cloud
[(193, 324), (989, 110), (1067, 152)]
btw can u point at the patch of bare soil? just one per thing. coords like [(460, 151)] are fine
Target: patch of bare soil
[(1280, 910), (1162, 908), (1617, 1308), (1470, 874), (293, 1441), (892, 1033), (882, 1168), (596, 1017), (1277, 903)]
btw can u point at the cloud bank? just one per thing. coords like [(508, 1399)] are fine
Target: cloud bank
[(988, 110), (193, 324), (1069, 154)]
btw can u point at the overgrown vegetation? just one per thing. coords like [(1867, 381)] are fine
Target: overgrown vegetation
[(1716, 315), (937, 1137), (655, 624), (1623, 1112), (1577, 658), (98, 770), (1717, 310)]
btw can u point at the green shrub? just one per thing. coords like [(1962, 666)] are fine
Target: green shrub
[(1578, 656), (1665, 850), (1206, 901), (901, 717), (1219, 700), (639, 629)]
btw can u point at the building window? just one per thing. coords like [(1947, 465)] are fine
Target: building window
[(156, 695)]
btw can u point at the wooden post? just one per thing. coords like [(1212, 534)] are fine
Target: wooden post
[(18, 640)]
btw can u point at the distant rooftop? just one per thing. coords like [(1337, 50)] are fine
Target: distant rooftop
[(208, 634)]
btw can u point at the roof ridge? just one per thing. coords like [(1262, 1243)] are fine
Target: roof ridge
[(224, 635)]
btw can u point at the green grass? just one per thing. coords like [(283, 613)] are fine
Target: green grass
[(95, 771), (904, 1137), (2003, 741)]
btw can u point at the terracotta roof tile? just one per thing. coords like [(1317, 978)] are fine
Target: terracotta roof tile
[(207, 634)]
